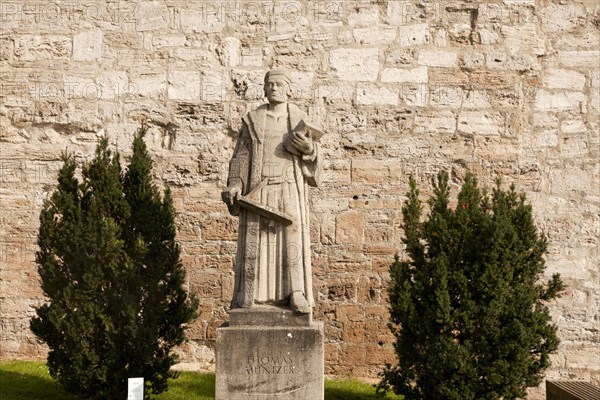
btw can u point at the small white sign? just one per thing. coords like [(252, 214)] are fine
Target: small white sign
[(135, 389)]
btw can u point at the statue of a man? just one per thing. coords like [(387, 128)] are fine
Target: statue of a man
[(275, 160)]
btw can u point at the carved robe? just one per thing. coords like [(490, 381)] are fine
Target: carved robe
[(273, 260)]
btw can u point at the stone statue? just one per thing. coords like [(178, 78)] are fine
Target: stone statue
[(276, 158)]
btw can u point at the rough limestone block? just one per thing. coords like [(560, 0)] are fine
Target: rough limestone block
[(184, 85), (149, 85), (414, 94), (334, 93), (205, 20), (402, 13), (6, 49), (477, 99), (547, 139), (437, 58), (564, 17), (77, 87), (365, 17), (349, 227), (440, 38), (87, 46), (301, 85), (214, 85), (485, 123), (523, 38), (399, 57), (501, 60), (573, 126), (278, 360), (36, 47), (112, 85), (410, 75), (561, 101), (166, 41), (487, 37), (563, 79), (578, 40), (445, 96), (579, 59), (375, 36), (230, 52), (151, 16), (369, 95), (199, 56), (355, 64), (442, 121), (413, 35)]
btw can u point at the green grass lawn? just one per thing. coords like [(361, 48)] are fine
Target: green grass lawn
[(22, 380)]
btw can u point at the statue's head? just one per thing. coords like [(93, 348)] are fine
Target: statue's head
[(277, 83)]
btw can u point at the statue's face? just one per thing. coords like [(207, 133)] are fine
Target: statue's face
[(276, 89)]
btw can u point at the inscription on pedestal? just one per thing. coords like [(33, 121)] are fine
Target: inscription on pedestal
[(268, 363)]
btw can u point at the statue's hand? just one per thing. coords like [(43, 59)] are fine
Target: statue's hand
[(232, 193), (302, 143)]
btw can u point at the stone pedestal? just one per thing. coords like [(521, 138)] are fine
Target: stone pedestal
[(269, 353)]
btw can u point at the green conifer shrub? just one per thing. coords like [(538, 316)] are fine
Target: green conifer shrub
[(467, 308), (111, 271)]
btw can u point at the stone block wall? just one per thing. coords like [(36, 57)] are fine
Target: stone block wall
[(501, 88)]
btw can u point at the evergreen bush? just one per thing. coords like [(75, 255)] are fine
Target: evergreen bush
[(467, 308), (111, 271)]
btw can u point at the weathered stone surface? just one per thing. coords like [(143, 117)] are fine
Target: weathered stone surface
[(515, 94), (270, 362), (480, 123), (230, 52), (560, 101), (37, 47), (413, 35), (87, 46), (273, 165), (149, 85), (400, 75), (184, 85), (214, 86), (150, 16), (112, 85), (564, 79), (349, 227), (523, 38), (370, 95), (560, 18), (375, 36), (267, 316), (579, 59), (437, 58), (355, 64)]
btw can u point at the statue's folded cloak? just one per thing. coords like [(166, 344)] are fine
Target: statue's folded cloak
[(246, 167)]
